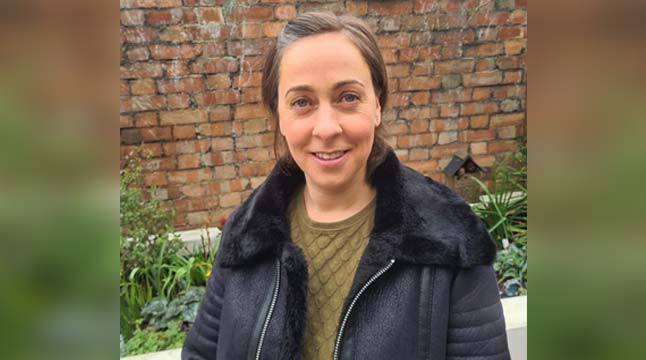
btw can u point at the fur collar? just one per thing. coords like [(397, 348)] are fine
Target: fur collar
[(417, 220)]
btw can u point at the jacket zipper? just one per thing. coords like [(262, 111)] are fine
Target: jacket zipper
[(271, 310), (374, 277)]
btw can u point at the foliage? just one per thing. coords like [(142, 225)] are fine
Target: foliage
[(159, 313), (159, 279), (149, 340), (504, 212), (148, 248)]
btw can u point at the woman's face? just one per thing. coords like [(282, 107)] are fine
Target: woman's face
[(327, 109)]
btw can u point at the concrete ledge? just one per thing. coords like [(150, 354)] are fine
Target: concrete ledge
[(515, 310)]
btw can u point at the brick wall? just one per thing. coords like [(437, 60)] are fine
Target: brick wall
[(190, 77)]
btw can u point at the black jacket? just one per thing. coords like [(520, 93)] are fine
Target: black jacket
[(424, 288)]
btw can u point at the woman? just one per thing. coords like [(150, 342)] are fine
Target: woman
[(343, 252)]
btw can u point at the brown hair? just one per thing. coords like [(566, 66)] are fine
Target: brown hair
[(314, 23)]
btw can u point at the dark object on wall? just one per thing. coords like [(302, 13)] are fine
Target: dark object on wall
[(458, 167), (455, 173)]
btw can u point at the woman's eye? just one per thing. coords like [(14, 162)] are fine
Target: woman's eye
[(350, 98), (300, 103)]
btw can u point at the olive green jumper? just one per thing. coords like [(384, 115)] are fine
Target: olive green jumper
[(332, 251)]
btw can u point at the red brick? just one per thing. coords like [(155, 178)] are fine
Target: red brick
[(178, 101), (390, 7), (212, 66), (188, 161), (209, 14), (225, 172), (220, 113), (155, 134), (215, 129), (398, 40), (160, 17), (143, 103), (389, 55), (420, 83), (356, 8), (502, 146), (176, 34), (454, 66), (507, 119), (252, 13), (419, 126), (512, 77), (189, 176), (130, 4), (146, 119), (455, 36), (143, 87), (125, 121), (424, 167), (479, 135), (483, 78), (132, 17), (259, 154), (451, 96), (193, 190), (518, 16), (155, 179), (184, 132), (478, 148), (124, 88), (141, 70), (188, 84), (485, 64), (138, 54), (510, 62), (478, 108), (398, 99), (176, 68), (247, 79), (165, 52), (515, 47), (248, 31), (285, 12), (481, 94), (409, 141), (510, 32), (183, 117), (218, 81), (443, 151), (256, 140), (420, 98), (398, 70), (488, 49), (216, 97), (221, 143), (139, 35), (449, 110), (272, 29), (479, 121)]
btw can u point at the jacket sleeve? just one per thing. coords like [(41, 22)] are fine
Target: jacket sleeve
[(201, 342), (476, 322)]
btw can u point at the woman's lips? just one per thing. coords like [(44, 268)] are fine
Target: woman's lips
[(329, 159)]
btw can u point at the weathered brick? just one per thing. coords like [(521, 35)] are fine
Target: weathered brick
[(142, 103), (454, 66), (461, 36), (209, 15), (183, 132), (390, 7), (221, 143), (447, 137), (188, 161), (272, 29), (500, 120), (357, 8), (130, 136), (285, 12), (442, 151), (131, 4), (420, 83), (224, 172), (163, 17), (132, 17), (141, 70), (187, 84), (183, 117), (510, 32), (178, 101), (155, 134), (142, 87), (502, 146), (216, 97), (146, 119), (478, 148), (155, 179), (217, 65), (252, 13), (483, 78), (479, 121), (393, 40), (138, 35), (515, 47), (230, 200), (138, 54), (512, 77)]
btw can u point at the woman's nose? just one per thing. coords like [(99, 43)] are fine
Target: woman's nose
[(326, 122)]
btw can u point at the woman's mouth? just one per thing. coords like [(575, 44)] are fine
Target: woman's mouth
[(329, 156)]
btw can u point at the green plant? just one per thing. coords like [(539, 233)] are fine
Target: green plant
[(150, 340), (149, 264), (504, 212), (159, 312)]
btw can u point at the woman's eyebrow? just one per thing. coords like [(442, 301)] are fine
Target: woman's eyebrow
[(335, 87)]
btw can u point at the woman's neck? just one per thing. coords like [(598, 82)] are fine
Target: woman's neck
[(332, 205)]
